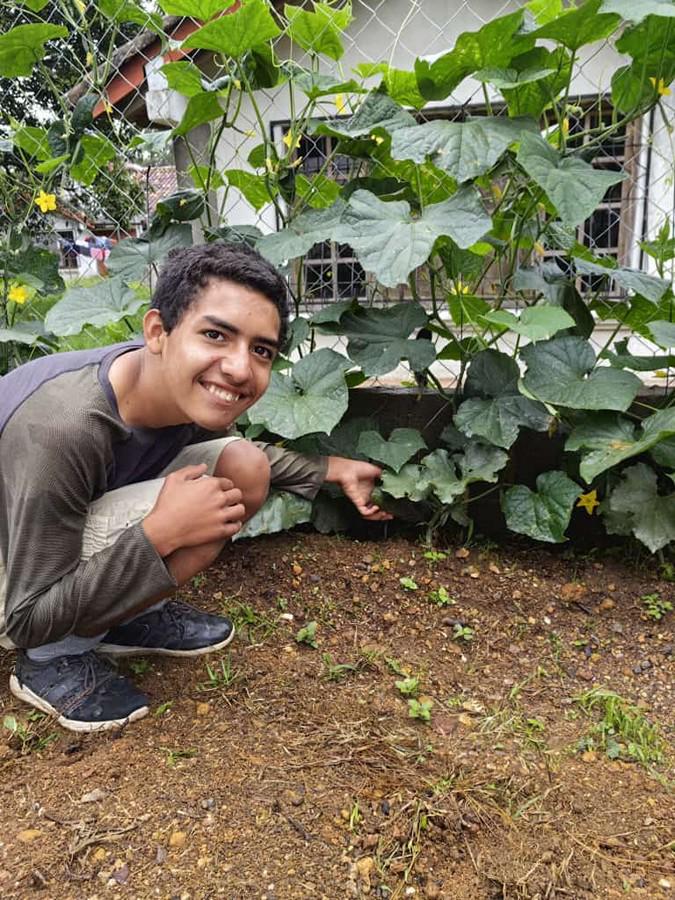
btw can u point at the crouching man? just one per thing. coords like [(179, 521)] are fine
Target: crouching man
[(119, 483)]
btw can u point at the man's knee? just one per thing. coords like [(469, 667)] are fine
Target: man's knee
[(247, 466)]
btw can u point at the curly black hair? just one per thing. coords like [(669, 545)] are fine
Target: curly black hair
[(188, 269)]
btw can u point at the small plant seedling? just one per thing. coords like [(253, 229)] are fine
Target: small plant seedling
[(282, 603), (221, 677), (354, 816), (408, 583), (257, 626), (623, 731), (163, 708), (435, 556), (140, 666), (395, 666), (420, 709), (441, 597), (337, 671), (667, 571), (198, 580), (173, 756), (463, 633), (26, 735), (655, 607), (307, 635), (408, 686)]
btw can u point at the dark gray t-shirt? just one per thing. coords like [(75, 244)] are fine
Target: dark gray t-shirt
[(63, 445)]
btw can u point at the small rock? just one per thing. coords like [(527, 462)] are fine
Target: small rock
[(29, 835), (121, 875), (432, 891), (365, 867), (297, 569), (287, 617), (178, 839), (589, 756), (607, 604), (160, 856), (315, 579), (462, 553), (517, 595), (203, 709), (585, 675), (99, 854), (617, 627), (665, 884), (385, 807), (94, 796), (295, 798)]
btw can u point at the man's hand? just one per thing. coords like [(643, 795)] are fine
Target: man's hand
[(357, 480)]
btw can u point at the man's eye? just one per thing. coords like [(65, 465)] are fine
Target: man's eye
[(265, 352), (212, 334)]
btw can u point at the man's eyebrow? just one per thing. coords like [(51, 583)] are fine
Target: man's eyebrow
[(227, 326)]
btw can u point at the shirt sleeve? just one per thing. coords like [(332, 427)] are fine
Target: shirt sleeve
[(49, 474)]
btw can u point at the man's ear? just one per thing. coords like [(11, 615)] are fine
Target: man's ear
[(153, 331)]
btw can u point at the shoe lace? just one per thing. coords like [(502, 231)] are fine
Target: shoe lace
[(95, 672), (174, 611)]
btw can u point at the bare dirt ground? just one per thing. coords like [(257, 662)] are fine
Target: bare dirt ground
[(291, 771)]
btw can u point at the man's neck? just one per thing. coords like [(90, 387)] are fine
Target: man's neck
[(136, 382)]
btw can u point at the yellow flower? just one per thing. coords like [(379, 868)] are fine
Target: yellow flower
[(90, 58), (378, 140), (80, 6), (565, 126), (18, 293), (107, 108), (661, 88), (340, 104), (588, 501), (291, 142), (460, 288), (46, 202), (237, 84)]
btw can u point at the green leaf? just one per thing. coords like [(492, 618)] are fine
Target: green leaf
[(28, 332), (532, 97), (403, 443), (319, 31), (536, 323), (378, 338), (201, 10), (132, 257), (556, 287), (236, 33), (663, 333), (253, 187), (511, 78), (491, 374), (41, 264), (635, 505), (449, 476), (632, 90), (316, 84), (93, 154), (184, 77), (280, 512), (663, 454), (35, 5), (377, 111), (495, 44), (577, 27), (637, 10), (652, 47), (44, 168), (630, 279), (400, 85), (183, 206), (102, 304), (318, 192), (83, 114), (307, 229), (313, 398), (130, 11), (545, 10), (201, 108), (612, 439), (33, 141), (559, 371), (204, 175), (545, 514), (390, 242), (573, 186), (23, 46), (499, 419), (408, 482), (463, 149)]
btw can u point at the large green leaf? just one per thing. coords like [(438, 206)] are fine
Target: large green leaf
[(280, 512), (253, 187), (319, 192), (577, 27), (611, 439), (33, 141), (184, 77), (183, 206), (536, 323), (116, 11), (448, 476), (131, 257), (312, 398), (102, 304), (637, 10), (316, 84), (663, 454), (651, 44), (632, 89), (319, 31), (557, 288), (402, 444), (630, 279), (499, 419), (376, 111), (512, 78), (201, 108), (28, 332), (663, 333), (530, 97), (201, 10), (400, 85), (409, 483), (93, 154), (545, 514), (378, 338), (559, 371), (391, 242), (41, 264), (572, 185), (463, 149), (304, 231), (22, 47), (236, 33), (636, 506), (495, 44)]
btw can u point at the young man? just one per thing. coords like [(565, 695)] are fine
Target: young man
[(119, 483)]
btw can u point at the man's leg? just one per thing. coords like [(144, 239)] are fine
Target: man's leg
[(67, 678)]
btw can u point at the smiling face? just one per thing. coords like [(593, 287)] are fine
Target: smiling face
[(216, 362)]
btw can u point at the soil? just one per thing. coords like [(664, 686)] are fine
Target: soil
[(277, 775)]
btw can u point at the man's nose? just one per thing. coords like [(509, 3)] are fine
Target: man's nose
[(236, 365)]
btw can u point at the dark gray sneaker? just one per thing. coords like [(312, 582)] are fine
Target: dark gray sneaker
[(84, 692), (176, 629)]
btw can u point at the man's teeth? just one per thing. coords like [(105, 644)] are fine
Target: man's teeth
[(220, 392)]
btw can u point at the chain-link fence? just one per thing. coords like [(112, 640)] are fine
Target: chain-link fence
[(108, 59)]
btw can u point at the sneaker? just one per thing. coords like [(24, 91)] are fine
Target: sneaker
[(175, 629), (84, 692)]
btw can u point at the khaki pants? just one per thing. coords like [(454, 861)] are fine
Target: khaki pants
[(117, 510)]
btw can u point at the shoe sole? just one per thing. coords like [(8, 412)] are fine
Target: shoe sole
[(123, 650), (24, 693)]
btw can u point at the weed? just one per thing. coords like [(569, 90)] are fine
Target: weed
[(282, 603), (163, 708), (655, 607), (307, 635), (337, 671), (140, 666), (667, 571), (220, 679), (622, 732), (441, 597), (198, 580), (395, 666), (408, 583), (408, 686), (420, 709), (257, 626), (435, 556), (172, 756), (27, 735), (463, 633), (354, 816)]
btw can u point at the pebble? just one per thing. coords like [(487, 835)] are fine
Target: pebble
[(178, 839), (607, 604), (28, 835)]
